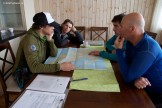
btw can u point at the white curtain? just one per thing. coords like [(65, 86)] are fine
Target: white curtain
[(156, 24)]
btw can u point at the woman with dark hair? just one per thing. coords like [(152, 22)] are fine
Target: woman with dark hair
[(66, 34)]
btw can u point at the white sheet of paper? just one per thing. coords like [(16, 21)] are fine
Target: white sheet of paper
[(49, 83), (37, 99)]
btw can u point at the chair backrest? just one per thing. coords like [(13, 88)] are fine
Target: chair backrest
[(5, 71), (81, 29), (4, 88), (6, 64), (99, 33), (152, 34)]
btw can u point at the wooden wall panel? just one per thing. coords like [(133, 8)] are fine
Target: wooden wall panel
[(94, 12)]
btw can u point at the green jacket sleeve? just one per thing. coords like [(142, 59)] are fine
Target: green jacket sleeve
[(110, 43), (52, 47), (108, 55), (109, 47), (32, 51)]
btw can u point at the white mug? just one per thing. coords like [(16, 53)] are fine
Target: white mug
[(3, 32), (85, 43), (11, 30)]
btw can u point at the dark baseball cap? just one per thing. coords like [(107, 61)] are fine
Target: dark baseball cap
[(44, 18)]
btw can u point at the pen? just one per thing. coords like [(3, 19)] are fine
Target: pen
[(80, 79)]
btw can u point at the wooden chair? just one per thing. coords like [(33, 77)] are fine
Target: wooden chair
[(98, 33), (9, 85), (81, 29), (152, 34)]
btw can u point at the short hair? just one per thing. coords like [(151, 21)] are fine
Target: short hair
[(37, 26), (118, 18), (68, 21)]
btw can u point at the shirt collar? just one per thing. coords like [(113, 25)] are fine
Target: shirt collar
[(141, 41), (37, 34), (43, 38)]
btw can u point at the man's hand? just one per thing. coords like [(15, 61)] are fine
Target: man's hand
[(119, 42), (49, 37), (73, 29), (95, 53), (66, 66), (68, 40), (141, 83)]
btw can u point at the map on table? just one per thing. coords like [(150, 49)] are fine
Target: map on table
[(97, 80), (80, 58)]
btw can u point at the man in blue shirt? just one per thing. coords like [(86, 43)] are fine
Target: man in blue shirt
[(111, 51), (142, 64)]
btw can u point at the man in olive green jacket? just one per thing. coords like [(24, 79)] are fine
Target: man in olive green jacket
[(37, 45)]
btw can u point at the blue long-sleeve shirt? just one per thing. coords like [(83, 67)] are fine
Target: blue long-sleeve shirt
[(110, 47), (142, 60)]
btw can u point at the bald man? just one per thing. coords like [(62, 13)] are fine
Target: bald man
[(142, 64)]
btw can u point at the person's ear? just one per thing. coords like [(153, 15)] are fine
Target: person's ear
[(40, 27), (133, 28)]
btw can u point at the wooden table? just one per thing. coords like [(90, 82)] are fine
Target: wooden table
[(129, 97)]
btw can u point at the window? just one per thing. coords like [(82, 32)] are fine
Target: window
[(10, 14)]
